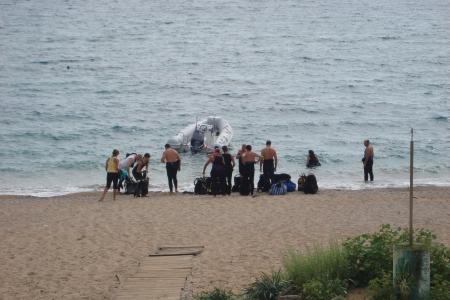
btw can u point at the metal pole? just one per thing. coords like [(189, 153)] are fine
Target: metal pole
[(411, 173)]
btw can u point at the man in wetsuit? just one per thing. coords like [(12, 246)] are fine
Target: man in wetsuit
[(249, 159), (239, 158), (269, 160), (172, 160), (368, 161)]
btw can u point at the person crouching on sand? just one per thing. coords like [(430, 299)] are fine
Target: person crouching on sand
[(173, 163), (112, 174)]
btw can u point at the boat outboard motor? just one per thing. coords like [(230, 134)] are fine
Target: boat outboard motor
[(197, 141)]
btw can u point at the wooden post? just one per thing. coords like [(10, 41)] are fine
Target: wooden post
[(411, 175)]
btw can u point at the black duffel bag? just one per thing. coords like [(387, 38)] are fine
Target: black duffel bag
[(280, 177)]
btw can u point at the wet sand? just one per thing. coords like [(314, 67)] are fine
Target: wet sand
[(74, 247)]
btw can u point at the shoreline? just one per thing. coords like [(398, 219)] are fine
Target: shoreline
[(99, 189), (74, 247)]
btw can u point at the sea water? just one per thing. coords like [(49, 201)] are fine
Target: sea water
[(79, 78)]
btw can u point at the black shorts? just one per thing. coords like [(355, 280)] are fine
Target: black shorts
[(112, 178)]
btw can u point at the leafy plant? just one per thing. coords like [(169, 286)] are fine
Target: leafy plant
[(215, 294), (370, 262), (370, 255), (323, 289), (439, 262), (381, 288), (267, 287), (321, 263), (440, 288)]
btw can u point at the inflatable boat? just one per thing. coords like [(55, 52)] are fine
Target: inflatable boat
[(203, 136)]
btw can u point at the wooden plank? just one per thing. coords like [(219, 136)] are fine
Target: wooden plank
[(159, 277), (178, 251), (168, 258)]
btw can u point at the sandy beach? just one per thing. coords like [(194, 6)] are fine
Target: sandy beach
[(74, 247)]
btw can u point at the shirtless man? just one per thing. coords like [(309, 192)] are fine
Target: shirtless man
[(368, 161), (249, 159), (269, 160), (239, 158), (172, 160)]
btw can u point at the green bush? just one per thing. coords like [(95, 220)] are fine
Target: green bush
[(381, 288), (370, 262), (440, 288), (323, 289), (439, 262), (321, 263), (370, 255), (215, 294), (266, 287)]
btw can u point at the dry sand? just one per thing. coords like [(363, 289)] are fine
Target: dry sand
[(72, 247)]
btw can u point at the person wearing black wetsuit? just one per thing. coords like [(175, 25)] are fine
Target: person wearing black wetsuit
[(312, 160), (218, 183), (240, 161), (229, 165), (368, 161)]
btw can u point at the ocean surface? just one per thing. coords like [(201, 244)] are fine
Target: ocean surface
[(79, 78)]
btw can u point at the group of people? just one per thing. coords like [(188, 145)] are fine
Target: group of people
[(135, 166), (223, 164)]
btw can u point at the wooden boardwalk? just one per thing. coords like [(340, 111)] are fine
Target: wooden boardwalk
[(158, 277)]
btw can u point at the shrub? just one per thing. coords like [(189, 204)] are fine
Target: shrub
[(370, 262), (215, 294), (440, 288), (321, 263), (381, 288), (370, 255), (323, 289), (267, 287), (439, 262)]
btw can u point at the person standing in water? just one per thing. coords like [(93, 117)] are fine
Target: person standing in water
[(312, 161), (368, 161), (112, 174), (229, 166), (249, 159), (173, 163), (269, 160)]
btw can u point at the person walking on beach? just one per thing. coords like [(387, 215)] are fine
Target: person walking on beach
[(368, 161), (217, 172), (249, 159), (269, 161), (173, 164), (239, 158), (112, 174), (229, 166)]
